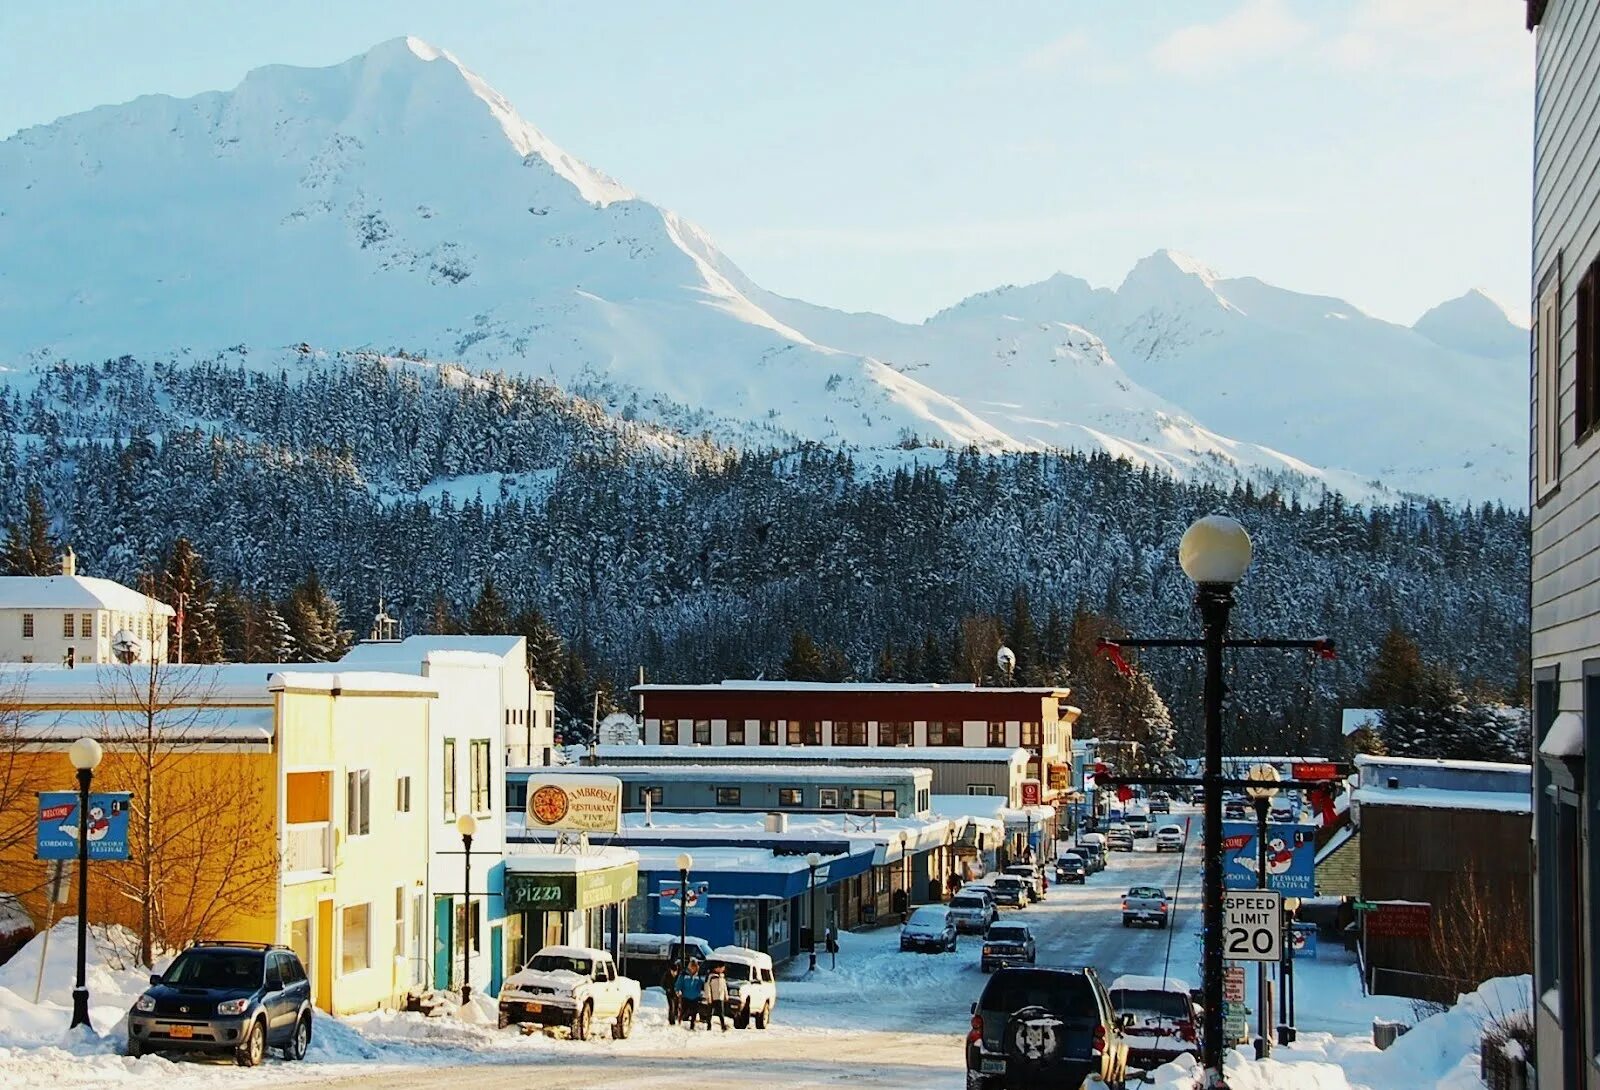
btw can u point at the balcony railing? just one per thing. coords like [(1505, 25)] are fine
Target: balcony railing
[(308, 847)]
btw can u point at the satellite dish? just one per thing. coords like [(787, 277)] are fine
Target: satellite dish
[(619, 729), (125, 645), (1006, 659)]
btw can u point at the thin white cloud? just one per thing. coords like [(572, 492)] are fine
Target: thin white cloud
[(1253, 30), (1482, 39), (1057, 53)]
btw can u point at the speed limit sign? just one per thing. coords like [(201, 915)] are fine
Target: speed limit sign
[(1252, 925)]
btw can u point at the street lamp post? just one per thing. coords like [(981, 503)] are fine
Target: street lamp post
[(1286, 1027), (685, 861), (85, 757), (1214, 554), (467, 826), (811, 899)]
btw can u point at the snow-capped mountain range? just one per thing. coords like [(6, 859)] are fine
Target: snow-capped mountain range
[(397, 202)]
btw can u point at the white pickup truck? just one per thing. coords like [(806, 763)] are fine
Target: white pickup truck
[(1146, 904), (572, 987)]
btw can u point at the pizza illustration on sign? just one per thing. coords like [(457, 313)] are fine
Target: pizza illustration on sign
[(548, 804)]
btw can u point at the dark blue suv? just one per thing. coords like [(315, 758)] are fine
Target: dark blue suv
[(226, 997)]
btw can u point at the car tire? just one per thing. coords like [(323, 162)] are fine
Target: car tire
[(253, 1049), (763, 1017), (133, 1049), (582, 1022), (300, 1043), (622, 1028)]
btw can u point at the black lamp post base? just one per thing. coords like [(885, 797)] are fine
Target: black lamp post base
[(80, 1008)]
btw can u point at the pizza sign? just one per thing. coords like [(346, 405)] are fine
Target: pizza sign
[(584, 804)]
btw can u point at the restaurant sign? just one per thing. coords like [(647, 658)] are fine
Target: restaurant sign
[(582, 804)]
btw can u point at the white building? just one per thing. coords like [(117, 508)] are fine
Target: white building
[(486, 708), (71, 618)]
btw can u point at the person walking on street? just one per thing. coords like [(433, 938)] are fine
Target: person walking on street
[(691, 990), (717, 997), (669, 984)]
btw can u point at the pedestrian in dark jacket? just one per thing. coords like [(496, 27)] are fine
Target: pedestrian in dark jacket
[(669, 984), (691, 990)]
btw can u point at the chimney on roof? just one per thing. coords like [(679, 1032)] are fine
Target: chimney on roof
[(69, 561)]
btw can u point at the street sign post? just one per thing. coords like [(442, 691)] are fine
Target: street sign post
[(1252, 925)]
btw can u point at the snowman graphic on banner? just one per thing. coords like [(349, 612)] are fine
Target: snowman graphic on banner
[(1280, 853)]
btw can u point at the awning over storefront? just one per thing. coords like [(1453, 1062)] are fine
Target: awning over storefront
[(569, 882)]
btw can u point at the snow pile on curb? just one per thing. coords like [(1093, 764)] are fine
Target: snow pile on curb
[(112, 990), (1439, 1053)]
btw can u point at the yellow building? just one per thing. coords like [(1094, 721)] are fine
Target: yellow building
[(270, 804)]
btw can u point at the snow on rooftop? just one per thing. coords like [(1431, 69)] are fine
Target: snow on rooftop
[(664, 857), (749, 754), (1565, 737), (416, 648), (354, 681), (195, 725), (76, 592), (733, 772), (1364, 760), (738, 685), (548, 859), (1438, 798)]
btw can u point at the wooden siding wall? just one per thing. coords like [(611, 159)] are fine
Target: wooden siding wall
[(1425, 853)]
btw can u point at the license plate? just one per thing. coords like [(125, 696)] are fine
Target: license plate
[(180, 1031), (532, 1008), (994, 1067)]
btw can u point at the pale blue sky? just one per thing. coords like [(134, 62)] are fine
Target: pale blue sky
[(896, 156)]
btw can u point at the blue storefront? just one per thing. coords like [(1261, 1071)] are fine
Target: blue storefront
[(752, 896)]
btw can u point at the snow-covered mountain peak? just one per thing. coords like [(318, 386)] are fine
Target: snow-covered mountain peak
[(1167, 277), (1474, 322)]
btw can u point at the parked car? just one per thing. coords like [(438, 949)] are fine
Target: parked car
[(1283, 813), (227, 997), (1036, 1027), (1119, 838), (971, 912), (1162, 1019), (1236, 810), (1139, 824), (752, 989), (1171, 838), (572, 987), (930, 928), (645, 957), (1072, 868), (1009, 891), (1032, 876), (1092, 846), (1007, 944), (1146, 904), (1160, 804)]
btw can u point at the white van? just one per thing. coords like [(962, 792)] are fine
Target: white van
[(752, 989)]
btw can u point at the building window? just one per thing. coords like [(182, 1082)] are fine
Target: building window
[(1032, 735), (402, 795), (850, 734), (702, 732), (669, 732), (87, 627), (828, 798), (358, 802), (980, 788), (736, 732), (650, 796), (727, 796), (479, 775), (894, 734), (769, 732), (448, 775), (355, 943), (872, 798), (924, 800), (791, 796), (997, 734), (944, 734), (805, 732), (1547, 387), (68, 624), (27, 626), (399, 921), (1587, 410)]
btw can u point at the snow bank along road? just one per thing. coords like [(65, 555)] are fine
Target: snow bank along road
[(881, 1019)]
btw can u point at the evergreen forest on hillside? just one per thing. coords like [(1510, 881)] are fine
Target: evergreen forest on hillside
[(285, 501)]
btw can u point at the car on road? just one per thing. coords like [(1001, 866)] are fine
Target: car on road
[(1007, 944), (1092, 846), (1119, 838), (1283, 814), (1236, 810), (752, 989), (972, 912), (1039, 1027), (1160, 804), (930, 928), (1171, 838), (1162, 1019), (1071, 867), (572, 987), (238, 998), (1032, 876), (1139, 824), (1009, 891), (1146, 904)]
